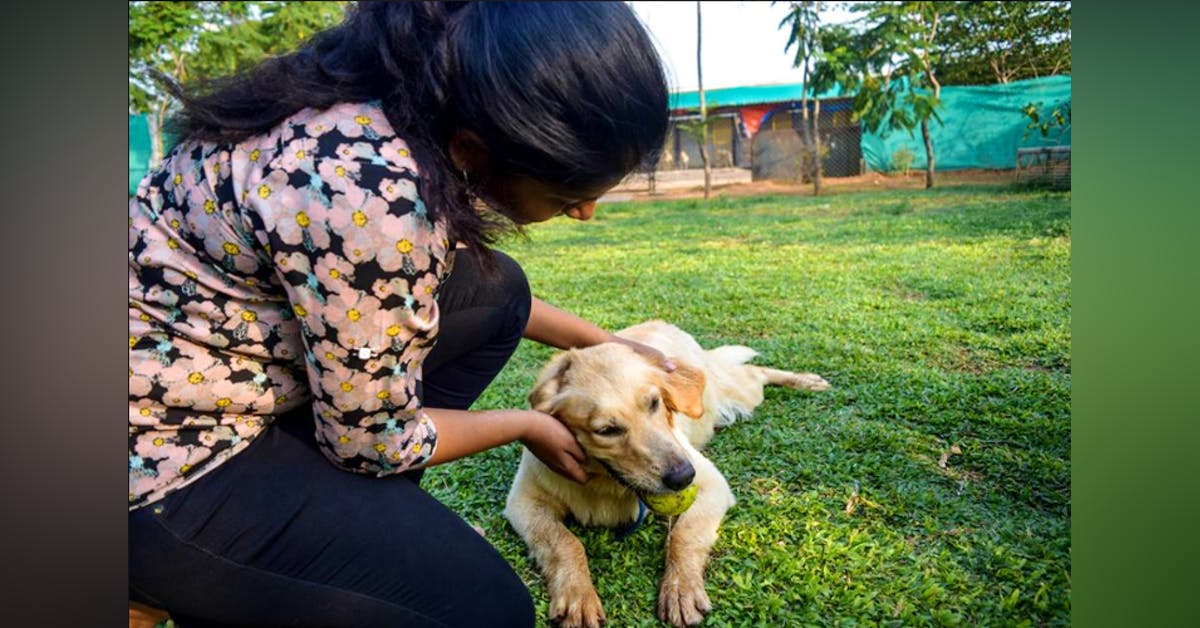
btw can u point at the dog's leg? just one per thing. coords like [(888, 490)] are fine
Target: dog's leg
[(682, 600), (798, 381), (573, 599)]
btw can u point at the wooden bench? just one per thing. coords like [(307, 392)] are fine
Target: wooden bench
[(142, 616), (1046, 165)]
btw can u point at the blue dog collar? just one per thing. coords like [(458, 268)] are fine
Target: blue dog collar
[(641, 517)]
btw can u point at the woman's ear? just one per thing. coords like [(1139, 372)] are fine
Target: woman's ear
[(684, 390), (549, 382), (469, 154)]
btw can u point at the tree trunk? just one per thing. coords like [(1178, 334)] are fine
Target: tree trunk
[(816, 126), (154, 120), (928, 153), (937, 96), (806, 160), (703, 111)]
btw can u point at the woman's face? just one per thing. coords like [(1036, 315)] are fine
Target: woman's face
[(524, 200)]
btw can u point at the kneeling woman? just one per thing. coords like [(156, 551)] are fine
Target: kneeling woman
[(314, 305)]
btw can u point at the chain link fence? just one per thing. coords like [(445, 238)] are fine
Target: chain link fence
[(779, 151), (776, 151)]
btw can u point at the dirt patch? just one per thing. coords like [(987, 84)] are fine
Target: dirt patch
[(964, 360), (872, 181), (912, 295)]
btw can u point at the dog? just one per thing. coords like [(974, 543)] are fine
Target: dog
[(642, 429)]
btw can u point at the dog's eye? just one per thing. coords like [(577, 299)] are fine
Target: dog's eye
[(610, 430), (654, 404)]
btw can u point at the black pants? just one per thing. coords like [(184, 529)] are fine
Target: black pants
[(277, 536)]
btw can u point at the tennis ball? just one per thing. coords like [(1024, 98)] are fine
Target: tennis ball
[(672, 504)]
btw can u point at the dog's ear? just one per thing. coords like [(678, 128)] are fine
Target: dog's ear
[(684, 390), (548, 382)]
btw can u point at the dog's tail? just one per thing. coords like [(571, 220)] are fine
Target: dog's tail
[(733, 354), (731, 395)]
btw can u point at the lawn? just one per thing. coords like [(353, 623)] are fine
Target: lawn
[(929, 486)]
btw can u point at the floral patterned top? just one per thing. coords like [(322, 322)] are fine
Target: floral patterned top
[(296, 267)]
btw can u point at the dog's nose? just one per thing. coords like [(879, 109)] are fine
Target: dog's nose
[(679, 476)]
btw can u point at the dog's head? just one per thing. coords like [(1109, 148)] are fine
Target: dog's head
[(622, 409)]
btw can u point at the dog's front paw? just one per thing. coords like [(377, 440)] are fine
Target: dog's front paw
[(577, 607), (682, 601)]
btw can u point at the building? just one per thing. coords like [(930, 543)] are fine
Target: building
[(758, 127)]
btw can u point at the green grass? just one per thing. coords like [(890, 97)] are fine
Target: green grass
[(941, 318)]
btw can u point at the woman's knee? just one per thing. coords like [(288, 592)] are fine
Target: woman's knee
[(511, 277), (478, 586), (507, 603), (500, 277)]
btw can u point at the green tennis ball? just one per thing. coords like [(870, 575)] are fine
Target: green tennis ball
[(672, 504)]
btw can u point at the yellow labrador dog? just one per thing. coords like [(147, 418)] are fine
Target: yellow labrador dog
[(642, 429)]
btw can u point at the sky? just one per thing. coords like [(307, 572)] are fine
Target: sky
[(742, 42)]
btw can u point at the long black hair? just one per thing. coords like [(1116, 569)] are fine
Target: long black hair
[(571, 94)]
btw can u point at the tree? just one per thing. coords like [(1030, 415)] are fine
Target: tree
[(703, 110), (1057, 120), (836, 68), (159, 34), (699, 128), (804, 22), (999, 42), (898, 53), (172, 43)]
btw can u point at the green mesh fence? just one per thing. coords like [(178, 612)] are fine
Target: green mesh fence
[(139, 150), (982, 127)]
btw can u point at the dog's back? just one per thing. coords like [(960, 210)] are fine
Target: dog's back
[(733, 388)]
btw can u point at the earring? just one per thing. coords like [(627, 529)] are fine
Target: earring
[(472, 198)]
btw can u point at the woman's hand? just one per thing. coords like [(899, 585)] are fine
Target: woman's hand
[(548, 439), (654, 355), (465, 432)]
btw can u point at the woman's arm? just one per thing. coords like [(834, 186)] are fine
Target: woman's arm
[(562, 330), (462, 433)]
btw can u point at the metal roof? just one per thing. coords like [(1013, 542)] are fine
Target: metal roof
[(747, 95)]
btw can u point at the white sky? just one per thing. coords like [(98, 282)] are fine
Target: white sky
[(743, 44)]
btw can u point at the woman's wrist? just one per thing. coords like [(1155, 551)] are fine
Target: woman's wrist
[(522, 422), (596, 336), (531, 422), (465, 432)]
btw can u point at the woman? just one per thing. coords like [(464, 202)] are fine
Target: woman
[(311, 283)]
